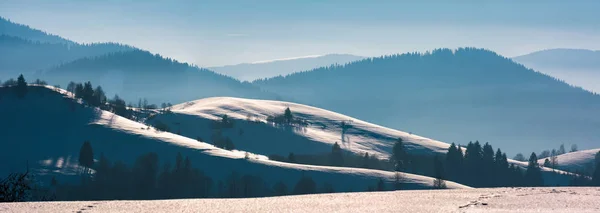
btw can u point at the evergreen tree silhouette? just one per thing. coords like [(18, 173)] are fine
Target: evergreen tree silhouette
[(454, 162), (86, 156), (337, 158), (99, 97), (488, 164), (21, 87), (533, 175), (287, 114)]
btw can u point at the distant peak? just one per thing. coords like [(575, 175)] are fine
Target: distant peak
[(286, 59)]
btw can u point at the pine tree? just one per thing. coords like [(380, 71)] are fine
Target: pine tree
[(454, 161), (488, 164), (533, 175), (86, 156), (337, 158), (288, 116), (99, 98), (88, 92), (21, 87)]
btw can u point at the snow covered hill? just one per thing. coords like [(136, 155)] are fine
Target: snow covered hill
[(252, 132), (575, 161), (571, 199), (46, 129)]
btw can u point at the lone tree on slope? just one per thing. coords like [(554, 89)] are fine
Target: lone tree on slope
[(86, 156), (21, 86)]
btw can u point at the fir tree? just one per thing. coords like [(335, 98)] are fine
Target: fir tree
[(86, 156), (337, 158), (533, 175), (287, 115), (21, 87)]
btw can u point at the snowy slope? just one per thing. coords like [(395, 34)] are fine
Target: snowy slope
[(576, 161), (47, 128), (192, 119), (563, 199)]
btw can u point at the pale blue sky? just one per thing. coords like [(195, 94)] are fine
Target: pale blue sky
[(221, 32)]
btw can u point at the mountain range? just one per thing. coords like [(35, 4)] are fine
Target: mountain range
[(579, 67), (267, 69), (452, 95)]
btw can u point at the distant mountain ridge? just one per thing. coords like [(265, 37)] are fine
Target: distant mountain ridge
[(21, 56), (139, 74), (10, 28), (452, 95), (267, 69), (578, 67)]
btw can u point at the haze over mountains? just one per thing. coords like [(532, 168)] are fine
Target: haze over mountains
[(455, 96), (272, 68), (124, 70), (578, 67), (139, 74)]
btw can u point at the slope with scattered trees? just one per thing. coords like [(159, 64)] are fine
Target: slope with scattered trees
[(452, 95)]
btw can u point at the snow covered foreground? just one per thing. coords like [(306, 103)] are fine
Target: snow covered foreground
[(575, 161), (47, 129), (460, 200), (253, 133)]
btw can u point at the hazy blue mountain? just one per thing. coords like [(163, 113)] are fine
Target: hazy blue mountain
[(454, 96), (267, 69), (18, 55), (139, 74), (23, 31), (578, 67)]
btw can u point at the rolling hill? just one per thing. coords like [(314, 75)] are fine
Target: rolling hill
[(10, 28), (452, 95), (580, 161), (578, 67), (267, 69), (252, 132), (61, 125)]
